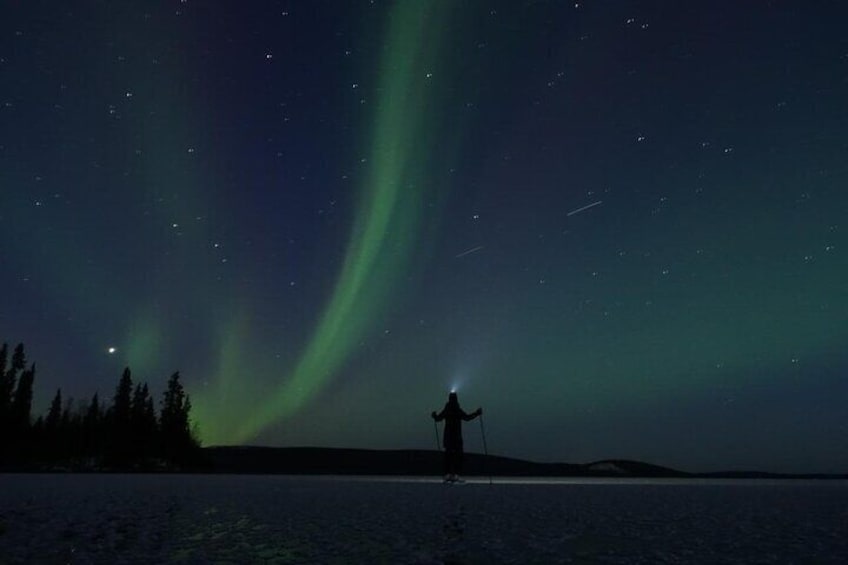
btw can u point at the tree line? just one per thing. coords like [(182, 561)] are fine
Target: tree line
[(123, 432)]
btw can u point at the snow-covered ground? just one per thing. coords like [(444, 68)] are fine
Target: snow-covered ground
[(278, 519)]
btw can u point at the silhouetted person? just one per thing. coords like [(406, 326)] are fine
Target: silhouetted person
[(453, 415)]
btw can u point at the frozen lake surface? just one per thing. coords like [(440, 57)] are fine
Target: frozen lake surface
[(280, 519)]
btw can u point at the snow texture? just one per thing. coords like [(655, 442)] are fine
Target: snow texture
[(278, 519)]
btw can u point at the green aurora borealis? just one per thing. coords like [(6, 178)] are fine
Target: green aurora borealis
[(380, 241)]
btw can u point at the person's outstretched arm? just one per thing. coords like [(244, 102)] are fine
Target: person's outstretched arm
[(467, 417), (438, 417)]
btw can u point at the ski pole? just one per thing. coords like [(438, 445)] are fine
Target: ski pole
[(485, 447), (436, 429)]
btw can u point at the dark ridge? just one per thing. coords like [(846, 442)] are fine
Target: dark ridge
[(334, 461), (627, 468), (765, 475), (338, 461)]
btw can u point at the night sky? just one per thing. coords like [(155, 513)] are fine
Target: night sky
[(621, 227)]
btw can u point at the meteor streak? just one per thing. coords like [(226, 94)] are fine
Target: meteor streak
[(469, 251), (592, 205)]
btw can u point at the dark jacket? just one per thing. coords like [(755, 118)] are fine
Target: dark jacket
[(453, 416)]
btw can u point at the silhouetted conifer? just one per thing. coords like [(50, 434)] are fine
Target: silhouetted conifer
[(54, 415), (51, 437), (94, 413), (5, 406), (4, 358), (178, 444), (19, 358), (143, 423), (69, 432), (22, 401), (18, 365), (8, 378), (19, 425), (120, 422), (10, 434), (92, 429), (5, 452), (5, 390), (122, 402), (67, 416)]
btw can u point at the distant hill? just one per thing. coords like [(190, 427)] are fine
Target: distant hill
[(330, 461), (336, 461)]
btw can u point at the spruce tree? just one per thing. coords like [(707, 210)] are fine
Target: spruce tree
[(4, 358), (5, 406), (54, 415), (18, 365), (22, 402), (143, 422), (15, 402), (52, 427), (120, 421), (122, 402), (20, 428), (5, 397), (8, 378), (66, 448), (94, 412), (92, 428), (150, 425), (150, 414), (178, 445)]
